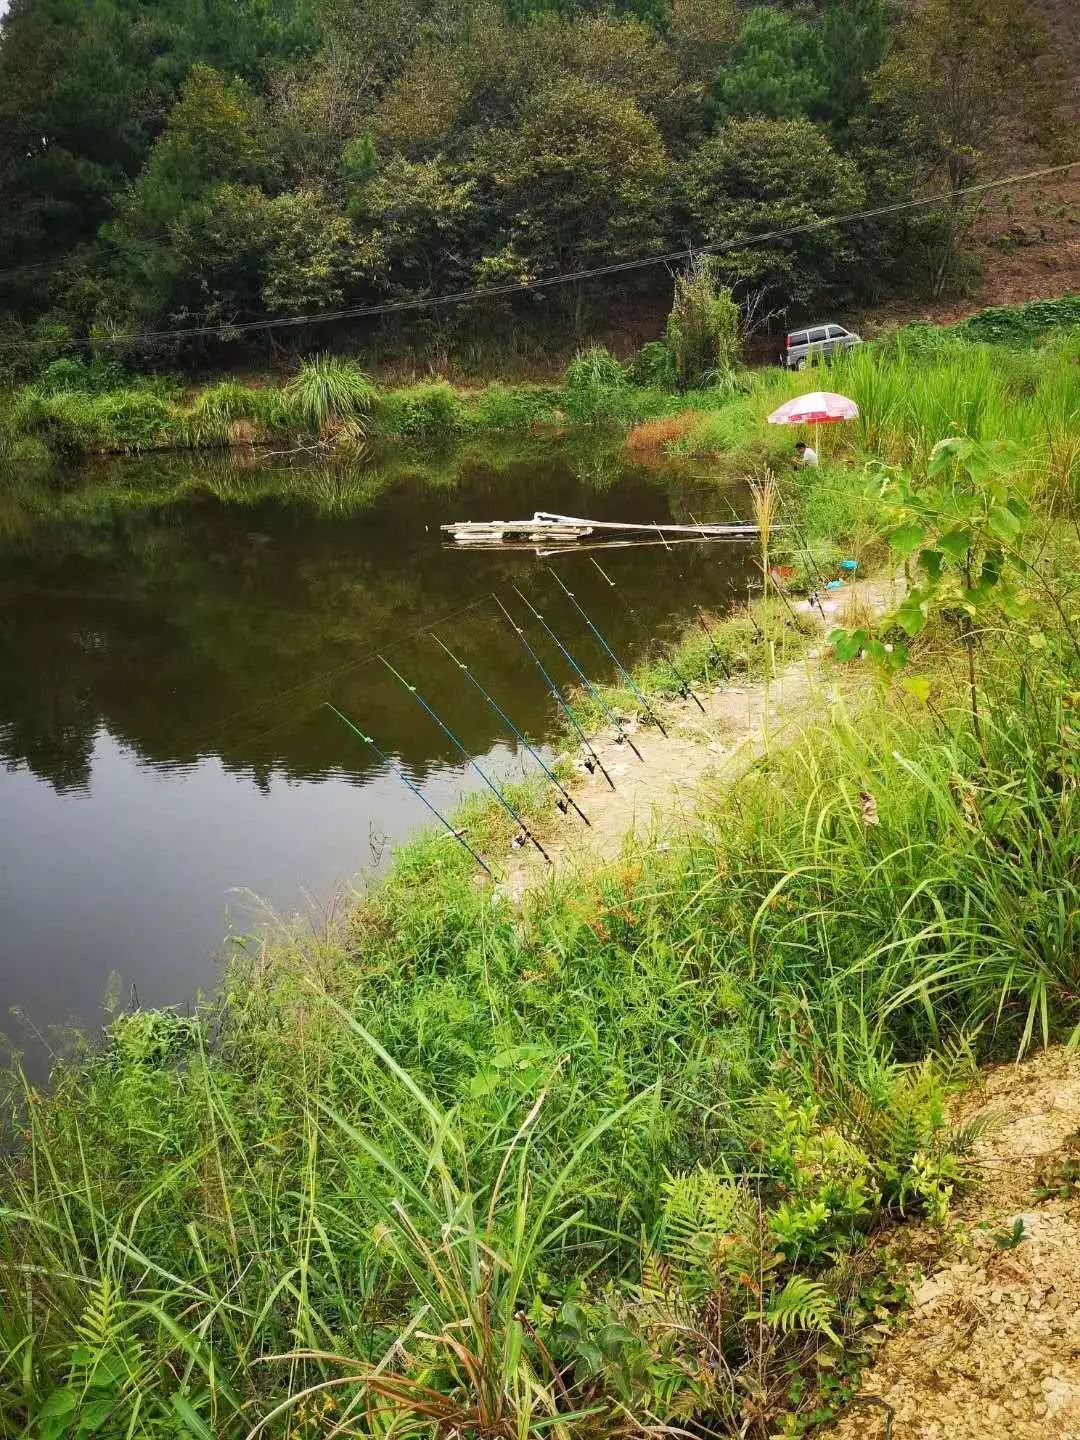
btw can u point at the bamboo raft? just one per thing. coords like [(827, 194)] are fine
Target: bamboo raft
[(557, 530)]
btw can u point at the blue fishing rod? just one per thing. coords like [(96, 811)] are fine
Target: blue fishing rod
[(593, 762), (518, 821), (680, 679), (620, 733), (400, 773), (567, 798), (607, 648)]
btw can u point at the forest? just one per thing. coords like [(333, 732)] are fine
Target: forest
[(214, 163)]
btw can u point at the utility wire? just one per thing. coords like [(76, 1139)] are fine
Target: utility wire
[(619, 267)]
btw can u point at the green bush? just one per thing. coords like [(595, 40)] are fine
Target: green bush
[(595, 385), (654, 366), (95, 377), (704, 328), (419, 410), (515, 407), (1021, 324), (1016, 326)]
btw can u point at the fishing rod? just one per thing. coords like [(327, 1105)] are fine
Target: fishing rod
[(593, 762), (750, 614), (618, 663), (701, 617), (518, 821), (620, 733), (567, 799), (815, 595), (400, 773), (684, 684)]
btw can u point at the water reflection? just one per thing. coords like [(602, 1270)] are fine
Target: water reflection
[(165, 656)]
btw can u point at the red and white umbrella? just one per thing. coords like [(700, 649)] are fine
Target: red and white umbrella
[(817, 408)]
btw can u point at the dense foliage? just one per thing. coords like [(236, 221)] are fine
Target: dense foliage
[(193, 162)]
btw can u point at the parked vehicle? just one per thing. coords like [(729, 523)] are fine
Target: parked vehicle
[(817, 342)]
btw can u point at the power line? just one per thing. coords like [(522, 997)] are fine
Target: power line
[(619, 267), (160, 240)]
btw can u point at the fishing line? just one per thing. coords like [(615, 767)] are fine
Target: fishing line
[(593, 762), (322, 679), (567, 799), (749, 613), (684, 684), (618, 663), (518, 821), (701, 613), (400, 773), (620, 733), (815, 595)]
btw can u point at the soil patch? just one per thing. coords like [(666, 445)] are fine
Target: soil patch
[(990, 1349)]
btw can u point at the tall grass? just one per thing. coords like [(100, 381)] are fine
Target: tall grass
[(328, 392)]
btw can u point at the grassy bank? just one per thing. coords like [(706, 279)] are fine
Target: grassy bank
[(76, 408), (618, 1157)]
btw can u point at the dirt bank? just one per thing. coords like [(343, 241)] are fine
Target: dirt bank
[(656, 796), (990, 1349)]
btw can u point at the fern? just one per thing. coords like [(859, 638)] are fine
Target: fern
[(96, 1325), (802, 1304), (700, 1206)]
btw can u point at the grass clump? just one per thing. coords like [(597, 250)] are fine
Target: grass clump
[(75, 422), (516, 407), (327, 393)]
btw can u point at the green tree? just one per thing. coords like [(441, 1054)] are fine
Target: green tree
[(701, 34), (72, 132), (583, 179), (214, 135), (776, 68), (212, 269), (417, 216), (756, 176), (961, 74), (855, 36), (84, 88), (622, 54), (315, 259)]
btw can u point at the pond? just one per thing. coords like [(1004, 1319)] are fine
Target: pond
[(170, 633)]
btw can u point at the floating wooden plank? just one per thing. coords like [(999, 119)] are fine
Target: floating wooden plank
[(544, 550), (546, 528)]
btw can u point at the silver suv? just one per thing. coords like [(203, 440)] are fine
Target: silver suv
[(816, 342)]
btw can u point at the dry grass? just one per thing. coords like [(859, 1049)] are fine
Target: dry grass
[(654, 435)]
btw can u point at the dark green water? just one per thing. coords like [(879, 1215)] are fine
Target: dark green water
[(165, 656)]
